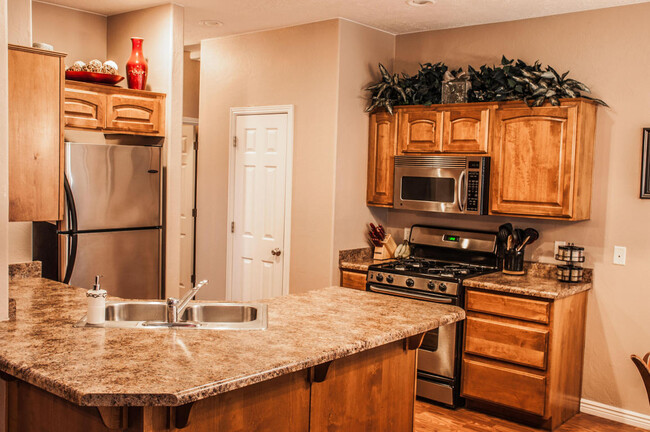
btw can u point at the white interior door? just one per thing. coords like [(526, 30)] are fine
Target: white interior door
[(258, 229), (188, 184)]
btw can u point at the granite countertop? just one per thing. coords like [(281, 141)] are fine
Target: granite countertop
[(357, 259), (539, 281), (170, 367)]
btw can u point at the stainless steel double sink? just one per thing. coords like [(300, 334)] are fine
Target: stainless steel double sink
[(202, 316)]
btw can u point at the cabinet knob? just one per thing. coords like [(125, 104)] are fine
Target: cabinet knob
[(276, 252)]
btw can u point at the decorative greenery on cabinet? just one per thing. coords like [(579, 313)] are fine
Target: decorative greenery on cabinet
[(511, 80)]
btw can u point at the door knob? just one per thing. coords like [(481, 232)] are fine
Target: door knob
[(276, 252)]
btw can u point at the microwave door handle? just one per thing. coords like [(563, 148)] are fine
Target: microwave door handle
[(462, 197)]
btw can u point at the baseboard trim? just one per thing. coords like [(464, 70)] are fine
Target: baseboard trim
[(617, 414)]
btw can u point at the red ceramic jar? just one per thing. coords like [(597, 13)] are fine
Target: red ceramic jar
[(136, 67)]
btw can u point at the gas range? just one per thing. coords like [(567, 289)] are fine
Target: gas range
[(424, 274), (442, 259)]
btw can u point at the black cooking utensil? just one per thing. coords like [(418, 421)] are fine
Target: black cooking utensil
[(521, 235), (503, 233), (531, 235)]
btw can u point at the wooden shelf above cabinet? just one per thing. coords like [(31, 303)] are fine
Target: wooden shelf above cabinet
[(114, 109)]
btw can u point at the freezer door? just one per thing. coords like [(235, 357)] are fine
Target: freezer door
[(129, 262), (114, 186)]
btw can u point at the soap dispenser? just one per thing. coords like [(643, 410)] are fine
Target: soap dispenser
[(96, 304)]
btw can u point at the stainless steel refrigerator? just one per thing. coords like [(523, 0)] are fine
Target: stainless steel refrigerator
[(112, 224)]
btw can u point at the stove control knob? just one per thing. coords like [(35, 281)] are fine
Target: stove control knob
[(410, 282), (379, 277), (431, 285), (389, 279), (442, 287)]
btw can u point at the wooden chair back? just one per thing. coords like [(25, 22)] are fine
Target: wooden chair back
[(644, 369)]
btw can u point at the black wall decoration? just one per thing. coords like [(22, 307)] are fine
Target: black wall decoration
[(645, 167)]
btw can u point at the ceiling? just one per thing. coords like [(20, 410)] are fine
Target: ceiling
[(393, 16)]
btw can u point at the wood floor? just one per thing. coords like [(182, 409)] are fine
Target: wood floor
[(432, 418)]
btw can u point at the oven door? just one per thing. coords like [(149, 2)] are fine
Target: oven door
[(430, 189), (437, 354)]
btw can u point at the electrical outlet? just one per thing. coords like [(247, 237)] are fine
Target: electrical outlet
[(619, 255), (407, 233), (558, 243)]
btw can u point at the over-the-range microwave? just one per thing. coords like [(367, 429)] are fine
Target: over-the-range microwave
[(447, 184)]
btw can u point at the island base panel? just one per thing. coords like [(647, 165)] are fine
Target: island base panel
[(371, 390)]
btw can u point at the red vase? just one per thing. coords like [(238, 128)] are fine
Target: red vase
[(136, 67)]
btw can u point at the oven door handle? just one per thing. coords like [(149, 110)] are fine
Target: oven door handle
[(431, 298), (462, 192)]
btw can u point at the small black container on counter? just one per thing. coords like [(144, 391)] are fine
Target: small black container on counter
[(513, 262)]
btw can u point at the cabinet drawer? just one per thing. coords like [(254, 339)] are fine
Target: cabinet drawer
[(354, 280), (504, 386), (134, 113), (513, 307), (84, 109), (504, 341)]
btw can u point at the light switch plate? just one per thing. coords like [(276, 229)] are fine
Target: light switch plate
[(619, 255), (558, 243), (407, 233)]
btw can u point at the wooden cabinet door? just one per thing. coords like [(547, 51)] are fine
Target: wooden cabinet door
[(373, 390), (381, 156), (134, 113), (84, 108), (420, 130), (466, 130), (533, 161), (35, 134)]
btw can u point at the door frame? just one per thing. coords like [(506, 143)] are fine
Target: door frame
[(248, 111), (194, 122)]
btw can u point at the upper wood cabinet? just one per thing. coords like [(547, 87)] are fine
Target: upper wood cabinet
[(35, 79), (466, 129), (381, 154), (114, 109), (84, 109), (542, 160), (419, 131)]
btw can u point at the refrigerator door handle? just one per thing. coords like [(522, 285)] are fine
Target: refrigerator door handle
[(72, 232)]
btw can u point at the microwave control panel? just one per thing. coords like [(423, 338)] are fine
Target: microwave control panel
[(473, 184)]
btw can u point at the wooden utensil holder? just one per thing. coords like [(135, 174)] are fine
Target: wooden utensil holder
[(386, 250)]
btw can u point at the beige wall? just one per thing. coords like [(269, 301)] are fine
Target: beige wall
[(191, 86), (162, 30), (4, 179), (360, 50), (597, 46), (298, 66), (19, 22), (82, 35)]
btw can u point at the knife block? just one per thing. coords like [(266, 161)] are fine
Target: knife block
[(386, 250)]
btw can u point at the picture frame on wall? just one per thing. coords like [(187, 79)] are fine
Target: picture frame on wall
[(645, 167)]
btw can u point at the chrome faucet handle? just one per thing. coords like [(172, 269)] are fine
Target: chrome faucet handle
[(182, 304), (172, 310)]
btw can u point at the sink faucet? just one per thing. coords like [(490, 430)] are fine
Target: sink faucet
[(176, 307)]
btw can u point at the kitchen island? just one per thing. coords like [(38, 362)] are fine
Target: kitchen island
[(331, 359)]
